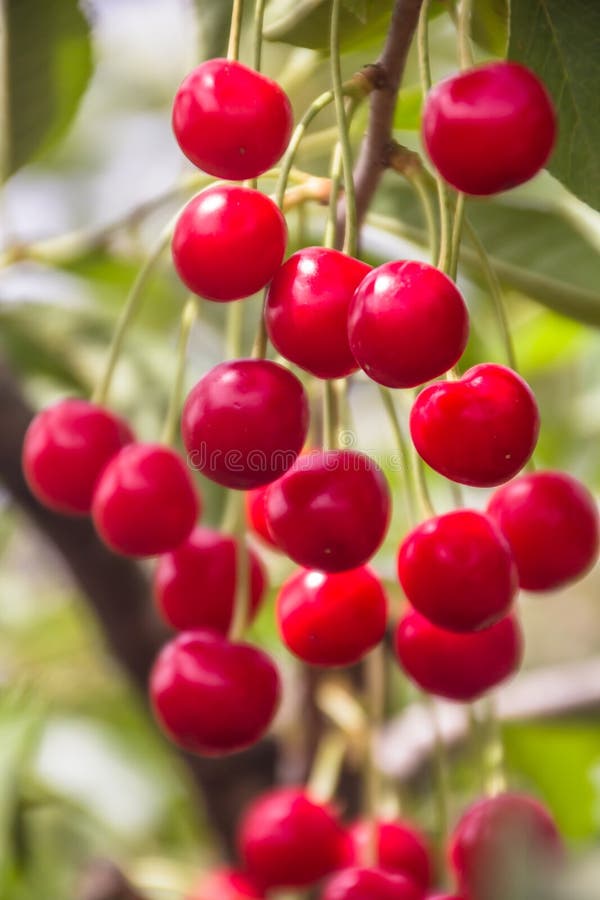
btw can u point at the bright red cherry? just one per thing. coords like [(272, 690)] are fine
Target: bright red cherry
[(371, 884), (400, 848), (65, 449), (145, 502), (245, 422), (231, 121), (459, 667), (479, 430), (458, 571), (226, 884), (330, 511), (256, 515), (212, 696), (229, 242), (551, 522), (490, 128), (408, 323), (307, 310)]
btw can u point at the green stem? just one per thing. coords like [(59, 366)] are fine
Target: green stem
[(419, 184), (457, 228), (325, 772), (259, 15), (495, 762), (410, 487), (188, 317), (235, 31), (465, 53), (234, 330), (442, 786), (336, 172), (375, 681), (330, 416), (445, 257), (241, 609), (423, 47), (351, 237)]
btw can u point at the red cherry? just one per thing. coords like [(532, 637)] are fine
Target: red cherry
[(371, 884), (306, 312), (231, 121), (459, 667), (400, 848), (479, 430), (458, 571), (65, 449), (228, 243), (245, 422), (490, 128), (256, 515), (226, 884), (213, 696), (551, 522), (445, 897), (330, 511), (145, 502), (408, 323)]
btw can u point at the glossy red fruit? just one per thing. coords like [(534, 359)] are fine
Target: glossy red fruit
[(458, 571), (65, 450), (213, 696), (330, 511), (371, 884), (228, 242), (400, 848), (459, 667), (551, 522), (306, 312), (231, 121), (479, 430), (256, 515), (226, 884), (407, 324), (490, 128), (145, 502), (245, 422), (287, 839)]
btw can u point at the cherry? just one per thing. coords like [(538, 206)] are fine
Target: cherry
[(231, 121), (479, 430), (400, 848), (306, 312), (490, 128), (551, 522), (245, 422), (65, 449), (407, 324), (212, 696), (445, 897), (332, 620), (287, 839), (459, 667), (145, 502), (458, 571), (256, 515), (228, 242), (226, 884), (371, 884), (330, 511)]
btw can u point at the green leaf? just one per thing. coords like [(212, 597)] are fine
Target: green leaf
[(213, 18), (561, 43), (489, 25)]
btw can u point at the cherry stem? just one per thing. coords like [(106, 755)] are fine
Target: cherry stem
[(375, 681), (241, 608), (351, 234), (336, 173), (188, 317), (442, 786), (234, 330), (457, 227), (330, 416), (325, 772), (420, 186), (235, 31), (410, 488), (495, 760), (259, 15), (465, 52)]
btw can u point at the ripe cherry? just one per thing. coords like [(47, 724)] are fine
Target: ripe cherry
[(479, 430), (458, 571), (490, 128), (459, 667), (231, 121), (444, 897), (306, 312), (212, 696), (145, 502), (245, 422), (408, 323), (330, 511), (400, 848), (551, 522), (226, 884), (228, 242), (371, 884), (256, 515)]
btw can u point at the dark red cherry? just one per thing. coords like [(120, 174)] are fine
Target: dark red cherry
[(212, 696), (371, 884), (408, 323), (228, 242), (226, 884), (551, 523), (330, 511), (400, 848), (145, 502), (65, 449), (490, 128), (256, 515), (245, 422), (231, 121), (458, 571), (307, 310), (479, 430), (459, 667)]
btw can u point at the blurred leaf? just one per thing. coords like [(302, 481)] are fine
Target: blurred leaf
[(34, 349), (407, 116), (358, 7), (489, 25), (213, 26)]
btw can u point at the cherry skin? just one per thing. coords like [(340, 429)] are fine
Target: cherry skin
[(306, 312), (256, 515), (371, 884), (213, 696), (231, 121), (479, 430), (458, 571), (490, 128), (551, 522), (400, 848), (330, 511), (228, 242), (445, 897), (145, 502), (226, 884), (245, 422), (407, 324), (65, 450)]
